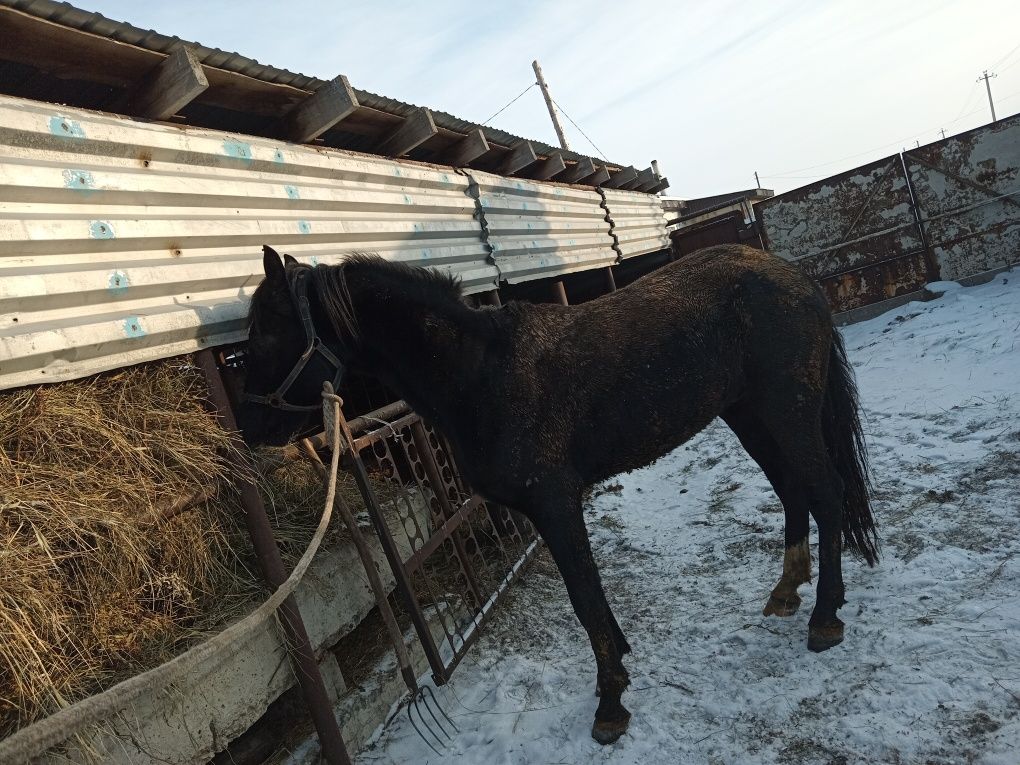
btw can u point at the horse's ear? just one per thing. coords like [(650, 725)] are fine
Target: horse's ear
[(289, 260), (272, 264)]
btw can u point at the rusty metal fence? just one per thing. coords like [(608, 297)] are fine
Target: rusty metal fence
[(465, 551), (947, 210)]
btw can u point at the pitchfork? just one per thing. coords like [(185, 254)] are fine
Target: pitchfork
[(421, 696)]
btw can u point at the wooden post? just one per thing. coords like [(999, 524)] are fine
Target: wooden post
[(490, 298), (645, 180), (320, 111), (171, 86), (415, 130), (553, 114), (469, 148), (521, 155), (549, 168), (560, 292), (662, 185), (610, 279)]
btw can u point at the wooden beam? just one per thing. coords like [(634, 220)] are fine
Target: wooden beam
[(415, 130), (468, 149), (319, 112), (662, 185), (549, 168), (645, 180), (579, 171), (600, 177), (618, 179), (168, 87), (522, 154)]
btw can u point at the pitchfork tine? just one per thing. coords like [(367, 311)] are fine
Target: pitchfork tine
[(422, 736), (438, 706)]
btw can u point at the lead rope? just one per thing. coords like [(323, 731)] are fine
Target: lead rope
[(32, 742)]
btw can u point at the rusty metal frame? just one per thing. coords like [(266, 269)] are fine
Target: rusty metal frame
[(299, 646), (464, 552)]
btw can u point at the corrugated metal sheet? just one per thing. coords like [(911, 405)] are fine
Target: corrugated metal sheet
[(639, 222), (968, 189), (855, 232), (540, 229), (123, 242), (95, 23)]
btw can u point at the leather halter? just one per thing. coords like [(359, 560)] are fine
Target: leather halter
[(297, 281)]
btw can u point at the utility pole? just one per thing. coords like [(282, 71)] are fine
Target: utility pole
[(757, 183), (943, 131), (553, 114), (986, 77)]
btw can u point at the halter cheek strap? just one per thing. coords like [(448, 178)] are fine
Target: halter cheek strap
[(298, 284)]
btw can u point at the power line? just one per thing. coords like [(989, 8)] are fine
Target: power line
[(579, 129), (509, 104), (1006, 56)]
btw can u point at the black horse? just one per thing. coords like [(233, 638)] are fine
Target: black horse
[(542, 401)]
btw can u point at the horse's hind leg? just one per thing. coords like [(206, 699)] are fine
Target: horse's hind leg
[(811, 484), (762, 448)]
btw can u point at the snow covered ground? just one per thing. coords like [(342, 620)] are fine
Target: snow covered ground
[(689, 548)]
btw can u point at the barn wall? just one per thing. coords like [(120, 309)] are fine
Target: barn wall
[(124, 241)]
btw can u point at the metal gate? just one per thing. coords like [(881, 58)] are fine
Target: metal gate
[(968, 191), (465, 552), (857, 233)]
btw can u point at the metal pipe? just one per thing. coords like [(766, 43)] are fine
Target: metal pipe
[(299, 646)]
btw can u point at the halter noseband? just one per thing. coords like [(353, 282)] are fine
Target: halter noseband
[(297, 282)]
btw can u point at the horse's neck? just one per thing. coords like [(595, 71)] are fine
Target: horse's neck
[(435, 354)]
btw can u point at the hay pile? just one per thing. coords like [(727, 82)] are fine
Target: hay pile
[(121, 540)]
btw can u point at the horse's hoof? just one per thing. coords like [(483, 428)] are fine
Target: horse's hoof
[(781, 606), (608, 731), (823, 638)]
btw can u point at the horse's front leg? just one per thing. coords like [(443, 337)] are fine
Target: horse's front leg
[(560, 522)]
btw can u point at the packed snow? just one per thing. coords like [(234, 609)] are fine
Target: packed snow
[(690, 547)]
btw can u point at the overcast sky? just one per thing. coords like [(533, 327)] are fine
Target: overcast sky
[(795, 89)]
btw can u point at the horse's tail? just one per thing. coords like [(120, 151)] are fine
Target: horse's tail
[(845, 441)]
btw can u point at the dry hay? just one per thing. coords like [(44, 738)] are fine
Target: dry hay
[(121, 540)]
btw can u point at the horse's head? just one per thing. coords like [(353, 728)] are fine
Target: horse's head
[(287, 359)]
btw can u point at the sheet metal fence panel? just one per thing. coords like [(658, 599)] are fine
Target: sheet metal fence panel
[(538, 230), (968, 189), (856, 233), (464, 554), (639, 222)]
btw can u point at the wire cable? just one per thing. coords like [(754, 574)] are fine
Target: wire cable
[(579, 129), (509, 104)]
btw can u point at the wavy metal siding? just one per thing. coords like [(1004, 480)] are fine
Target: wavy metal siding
[(639, 222), (538, 230), (968, 189), (123, 242)]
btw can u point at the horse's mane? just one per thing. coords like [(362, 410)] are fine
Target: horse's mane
[(423, 285)]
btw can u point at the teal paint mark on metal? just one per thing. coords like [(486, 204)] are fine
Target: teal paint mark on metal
[(278, 157), (292, 192), (408, 200), (426, 253), (118, 283), (100, 229), (446, 178), (314, 260), (304, 227), (133, 327), (66, 128), (237, 150), (79, 180), (396, 171)]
